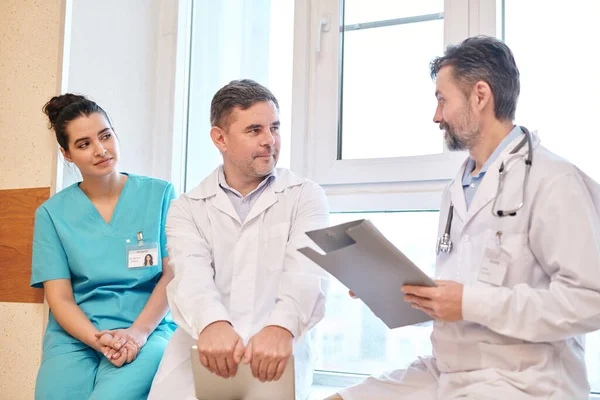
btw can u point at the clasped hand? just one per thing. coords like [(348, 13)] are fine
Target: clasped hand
[(221, 350), (121, 346)]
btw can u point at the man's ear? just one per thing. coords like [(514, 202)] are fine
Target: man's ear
[(218, 137), (483, 95)]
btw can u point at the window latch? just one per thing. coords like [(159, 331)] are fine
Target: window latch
[(324, 26)]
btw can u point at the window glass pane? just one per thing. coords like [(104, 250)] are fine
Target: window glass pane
[(558, 92), (231, 40), (387, 95), (351, 339)]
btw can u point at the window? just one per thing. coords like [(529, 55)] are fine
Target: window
[(242, 39), (558, 98), (351, 338), (386, 95), (370, 97)]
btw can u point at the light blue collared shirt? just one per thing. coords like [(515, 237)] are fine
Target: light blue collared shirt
[(471, 183), (242, 204)]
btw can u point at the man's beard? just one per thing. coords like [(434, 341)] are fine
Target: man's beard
[(465, 141)]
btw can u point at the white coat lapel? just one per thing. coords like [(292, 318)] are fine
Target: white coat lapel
[(222, 203), (211, 192), (283, 180), (266, 200)]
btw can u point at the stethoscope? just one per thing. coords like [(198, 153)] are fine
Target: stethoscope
[(444, 243)]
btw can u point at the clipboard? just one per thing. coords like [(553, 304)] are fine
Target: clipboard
[(243, 386), (362, 258)]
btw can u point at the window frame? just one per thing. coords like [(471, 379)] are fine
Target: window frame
[(317, 83), (169, 137)]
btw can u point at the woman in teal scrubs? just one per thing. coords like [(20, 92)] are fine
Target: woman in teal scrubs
[(109, 321)]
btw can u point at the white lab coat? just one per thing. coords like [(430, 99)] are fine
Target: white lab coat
[(522, 338), (249, 273)]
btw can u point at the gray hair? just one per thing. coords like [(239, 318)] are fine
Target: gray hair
[(239, 93), (484, 58)]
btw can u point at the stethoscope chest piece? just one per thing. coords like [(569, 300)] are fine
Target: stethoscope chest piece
[(444, 244)]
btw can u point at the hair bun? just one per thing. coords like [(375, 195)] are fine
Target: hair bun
[(57, 104)]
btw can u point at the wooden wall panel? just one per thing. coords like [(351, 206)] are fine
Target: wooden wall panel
[(17, 211)]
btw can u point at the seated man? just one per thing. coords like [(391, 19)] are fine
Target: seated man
[(242, 292), (522, 269)]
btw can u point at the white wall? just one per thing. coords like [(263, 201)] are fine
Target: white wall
[(115, 58)]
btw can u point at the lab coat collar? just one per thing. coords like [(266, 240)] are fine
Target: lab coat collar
[(209, 187), (489, 184)]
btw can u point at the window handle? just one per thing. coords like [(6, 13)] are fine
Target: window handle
[(323, 27)]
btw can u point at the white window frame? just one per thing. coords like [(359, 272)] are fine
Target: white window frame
[(169, 138), (316, 88)]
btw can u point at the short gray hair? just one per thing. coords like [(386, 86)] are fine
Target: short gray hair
[(242, 93), (484, 58)]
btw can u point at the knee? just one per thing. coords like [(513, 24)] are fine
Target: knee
[(56, 382), (334, 397), (61, 389), (134, 390)]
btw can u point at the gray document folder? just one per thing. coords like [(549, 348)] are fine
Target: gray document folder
[(360, 257), (243, 386)]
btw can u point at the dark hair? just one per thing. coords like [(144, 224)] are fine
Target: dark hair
[(151, 259), (240, 93), (484, 58), (63, 109)]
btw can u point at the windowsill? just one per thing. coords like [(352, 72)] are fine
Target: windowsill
[(320, 392)]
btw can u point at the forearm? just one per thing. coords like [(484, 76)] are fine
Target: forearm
[(73, 320), (299, 310), (556, 313), (156, 308), (195, 306)]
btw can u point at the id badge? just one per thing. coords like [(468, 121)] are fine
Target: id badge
[(143, 255), (493, 268)]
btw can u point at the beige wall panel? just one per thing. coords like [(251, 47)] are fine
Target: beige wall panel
[(29, 58), (20, 349)]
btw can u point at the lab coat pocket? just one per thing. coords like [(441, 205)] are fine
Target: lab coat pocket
[(278, 229), (276, 244), (506, 259)]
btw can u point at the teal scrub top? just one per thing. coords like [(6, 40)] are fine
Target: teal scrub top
[(72, 241)]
